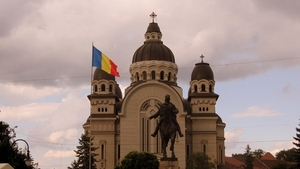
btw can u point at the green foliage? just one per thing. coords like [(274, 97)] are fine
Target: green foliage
[(9, 149), (286, 155), (297, 149), (83, 154), (249, 158), (259, 153), (199, 161), (139, 160), (283, 165)]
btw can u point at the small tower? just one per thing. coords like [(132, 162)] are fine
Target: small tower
[(207, 134), (101, 122)]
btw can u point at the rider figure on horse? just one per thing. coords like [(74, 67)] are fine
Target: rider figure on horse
[(170, 107)]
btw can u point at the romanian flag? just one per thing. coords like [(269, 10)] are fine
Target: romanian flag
[(100, 60)]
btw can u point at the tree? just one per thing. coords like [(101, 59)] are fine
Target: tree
[(74, 165), (286, 155), (258, 153), (83, 153), (297, 144), (9, 149), (199, 160), (249, 158), (139, 160), (282, 165)]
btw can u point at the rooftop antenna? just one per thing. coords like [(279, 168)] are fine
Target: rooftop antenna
[(153, 15)]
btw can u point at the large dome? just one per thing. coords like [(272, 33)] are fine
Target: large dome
[(153, 48), (202, 71)]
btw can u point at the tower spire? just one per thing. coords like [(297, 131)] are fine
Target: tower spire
[(153, 15)]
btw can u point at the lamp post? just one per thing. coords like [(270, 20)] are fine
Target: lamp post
[(28, 159)]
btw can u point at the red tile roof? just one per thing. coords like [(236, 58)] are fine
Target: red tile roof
[(268, 156)]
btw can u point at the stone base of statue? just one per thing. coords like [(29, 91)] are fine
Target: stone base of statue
[(169, 163)]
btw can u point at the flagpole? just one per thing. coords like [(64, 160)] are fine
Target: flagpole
[(90, 156)]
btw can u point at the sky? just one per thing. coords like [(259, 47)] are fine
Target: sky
[(46, 47)]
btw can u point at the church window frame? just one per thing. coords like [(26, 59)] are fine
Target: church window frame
[(204, 146), (137, 76), (103, 87), (195, 88), (162, 75), (95, 88), (203, 88), (144, 73), (110, 88), (102, 148), (153, 75), (169, 76), (210, 88)]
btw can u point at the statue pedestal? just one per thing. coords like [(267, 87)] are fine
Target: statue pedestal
[(168, 163)]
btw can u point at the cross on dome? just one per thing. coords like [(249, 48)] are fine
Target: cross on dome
[(201, 58), (153, 15)]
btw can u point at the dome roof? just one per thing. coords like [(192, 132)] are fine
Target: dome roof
[(202, 71), (153, 48), (153, 27), (101, 74), (118, 91)]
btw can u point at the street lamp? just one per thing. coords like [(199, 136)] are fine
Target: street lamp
[(27, 159)]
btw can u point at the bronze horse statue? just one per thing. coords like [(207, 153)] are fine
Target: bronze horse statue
[(167, 133)]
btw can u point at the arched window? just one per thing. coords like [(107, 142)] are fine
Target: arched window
[(110, 88), (144, 75), (103, 87), (95, 88), (169, 76), (195, 89), (202, 88), (137, 76), (204, 144), (210, 88), (162, 75), (153, 75)]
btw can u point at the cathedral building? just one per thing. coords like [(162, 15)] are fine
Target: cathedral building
[(120, 124)]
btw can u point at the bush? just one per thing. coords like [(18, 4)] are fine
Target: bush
[(139, 160)]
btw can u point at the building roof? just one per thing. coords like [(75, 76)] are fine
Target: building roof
[(153, 48), (101, 74), (268, 161), (202, 71), (268, 156)]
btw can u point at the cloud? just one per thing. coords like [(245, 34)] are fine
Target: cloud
[(63, 135), (283, 145), (59, 154), (255, 111), (31, 112), (232, 138)]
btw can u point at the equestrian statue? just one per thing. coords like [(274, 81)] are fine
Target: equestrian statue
[(167, 125)]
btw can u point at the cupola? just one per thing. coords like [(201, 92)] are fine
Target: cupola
[(153, 60)]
